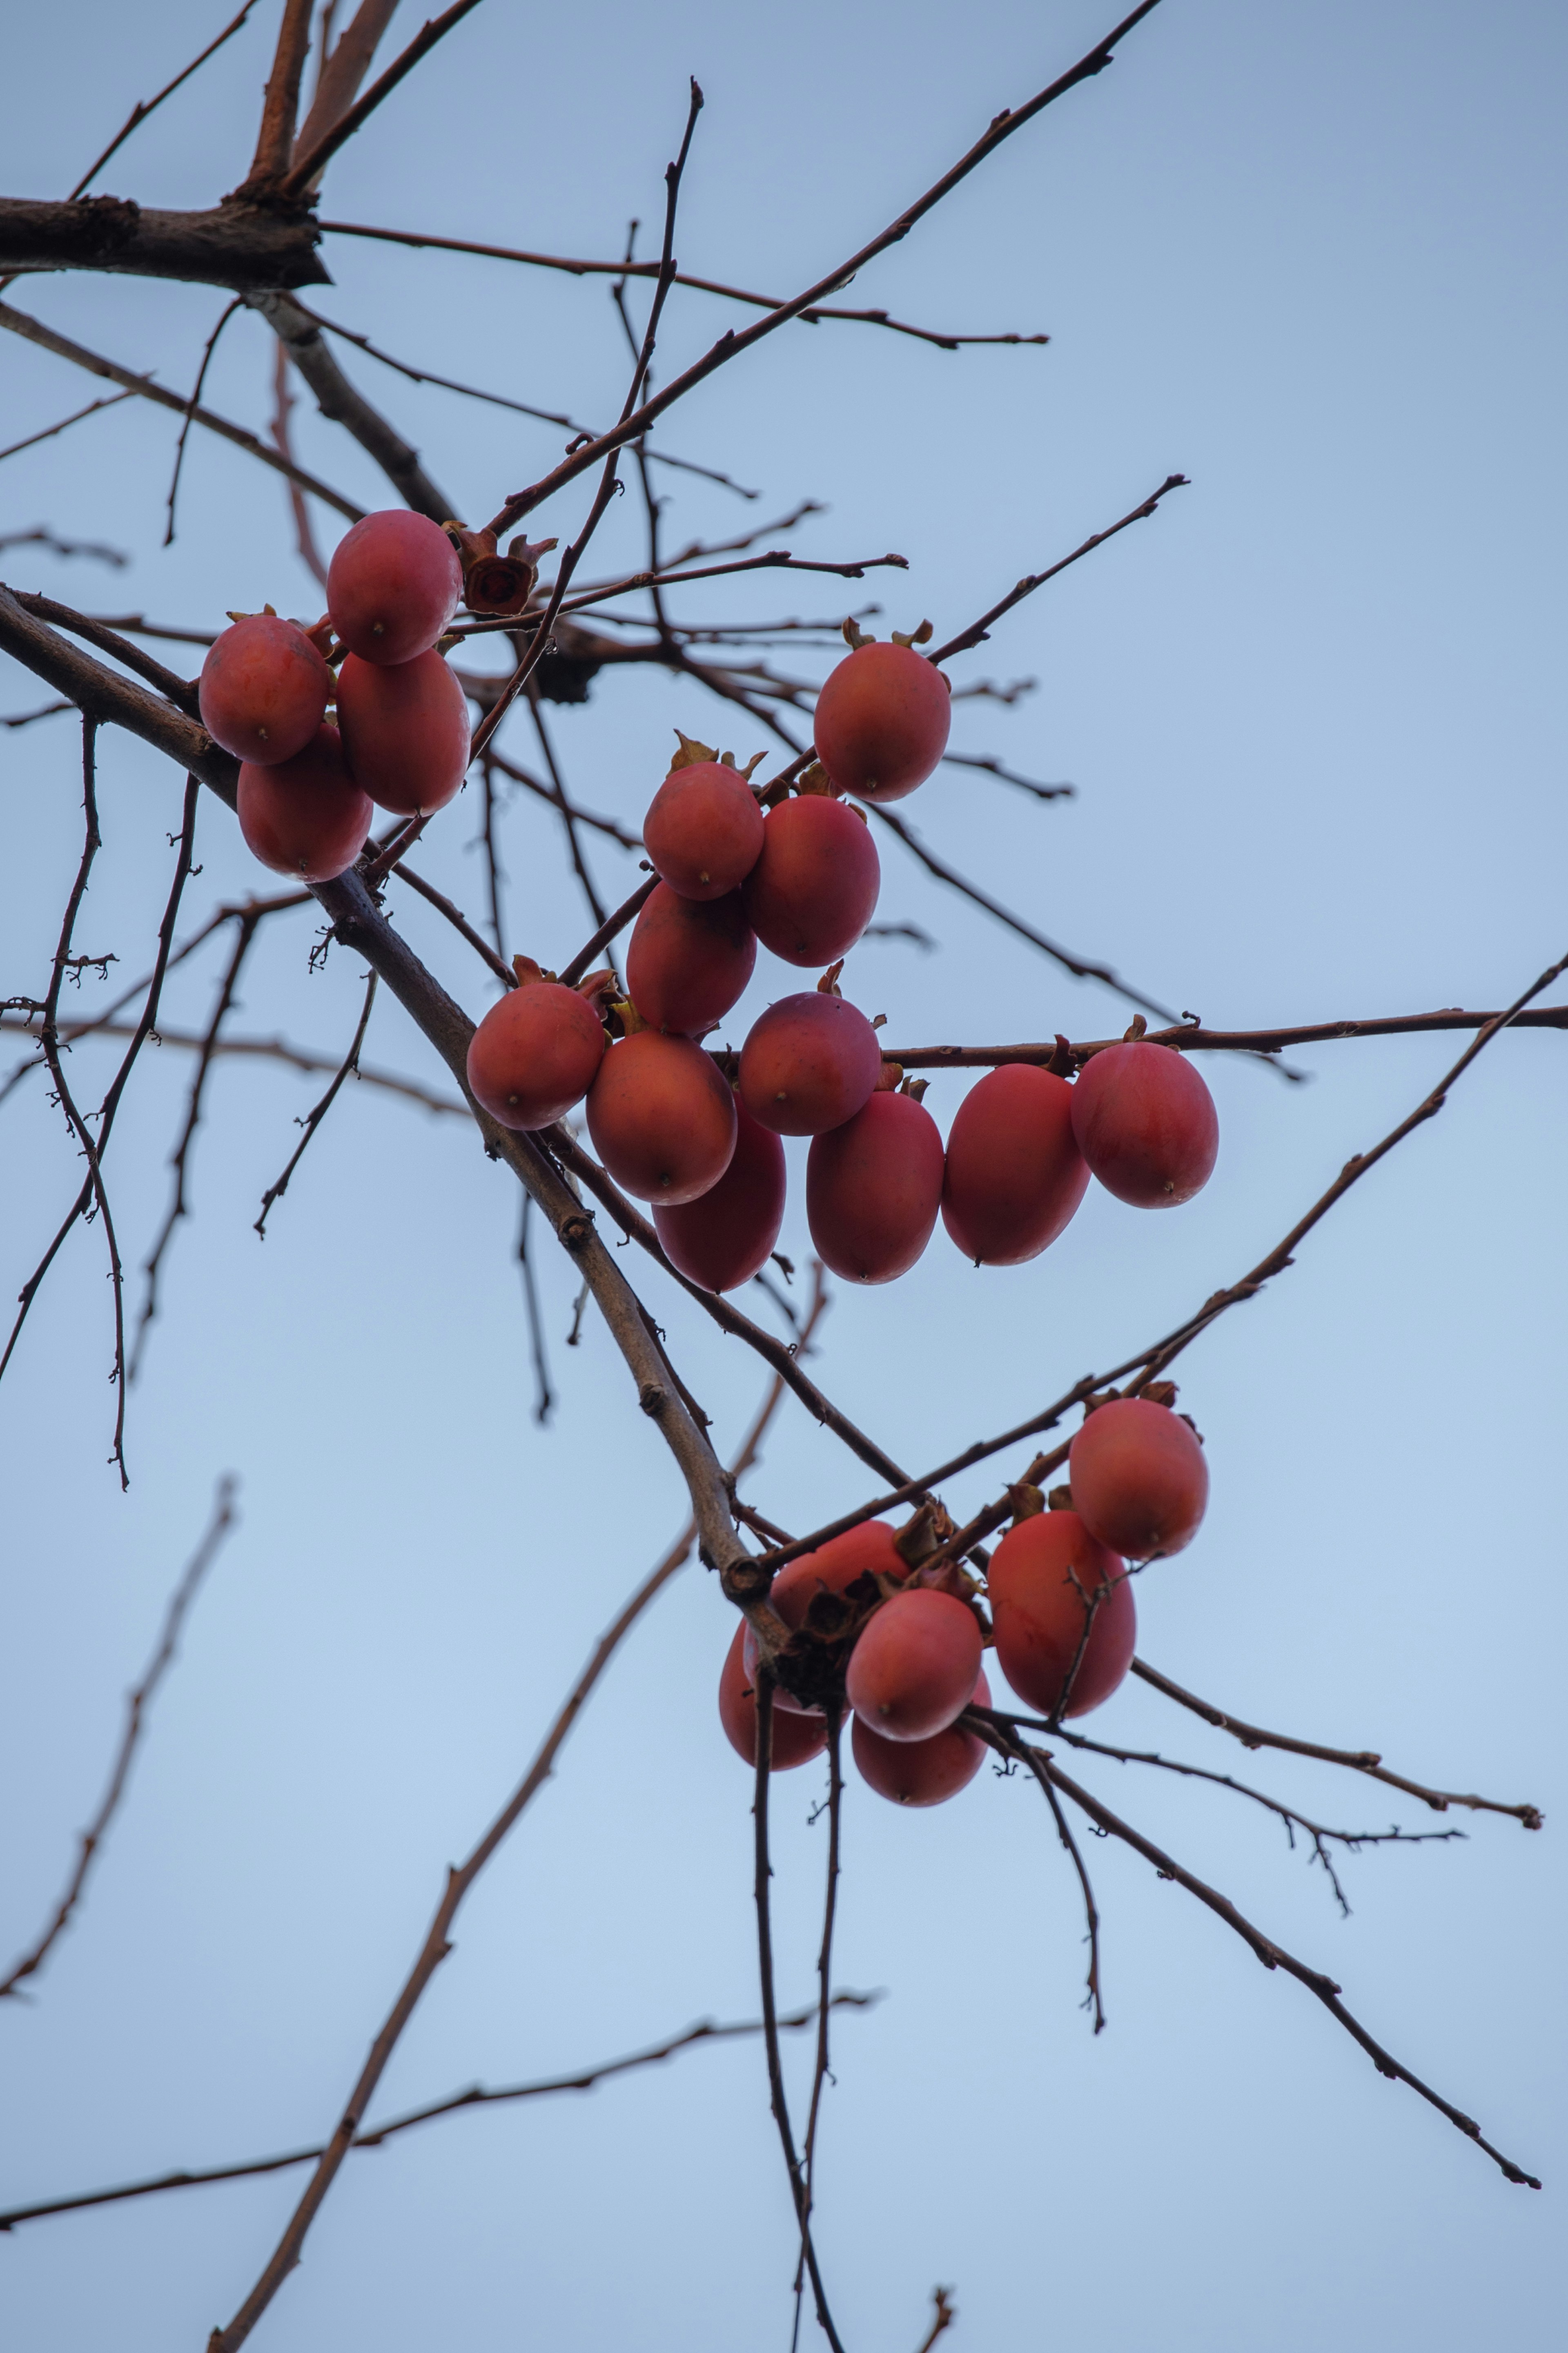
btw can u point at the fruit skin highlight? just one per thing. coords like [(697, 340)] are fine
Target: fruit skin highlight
[(305, 817), (404, 727), (915, 1666), (1146, 1125), (535, 1054), (882, 721), (393, 585), (873, 1189), (264, 690), (921, 1772), (815, 887), (1138, 1477), (689, 960), (795, 1739), (1015, 1174), (662, 1120), (703, 830), (726, 1235), (1044, 1575), (869, 1549), (809, 1064)]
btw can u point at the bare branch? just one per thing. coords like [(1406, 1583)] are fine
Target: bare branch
[(275, 141), (978, 631), (314, 1117), (337, 85), (309, 166)]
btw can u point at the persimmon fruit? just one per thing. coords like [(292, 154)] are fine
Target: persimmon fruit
[(689, 960), (921, 1772), (809, 1064), (661, 1117), (264, 690), (535, 1054), (726, 1236), (868, 1550), (795, 1739), (1048, 1580), (882, 721), (813, 887), (404, 727), (873, 1189), (393, 585), (915, 1665), (1146, 1124), (1138, 1477), (1015, 1174), (305, 817), (703, 830)]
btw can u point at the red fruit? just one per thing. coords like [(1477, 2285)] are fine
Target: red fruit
[(728, 1236), (305, 817), (795, 1739), (814, 890), (406, 731), (809, 1064), (535, 1054), (873, 1187), (264, 690), (1139, 1478), (393, 585), (688, 959), (833, 1567), (921, 1772), (703, 830), (915, 1666), (662, 1119), (882, 721), (1050, 1579), (1146, 1125), (1015, 1174)]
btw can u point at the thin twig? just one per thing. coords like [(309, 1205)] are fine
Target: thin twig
[(272, 1050), (113, 401), (136, 1709), (191, 408), (314, 1117), (309, 168), (544, 1395), (611, 928), (282, 407), (458, 920), (978, 631), (140, 112)]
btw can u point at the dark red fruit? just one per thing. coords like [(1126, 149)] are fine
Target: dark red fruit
[(305, 817), (915, 1666), (662, 1119), (1146, 1125), (703, 830), (882, 721), (393, 585), (535, 1054), (1139, 1478), (1015, 1174), (404, 727), (728, 1236), (873, 1187), (1048, 1580), (264, 690), (833, 1567), (688, 959), (795, 1739), (814, 889), (921, 1772), (809, 1064)]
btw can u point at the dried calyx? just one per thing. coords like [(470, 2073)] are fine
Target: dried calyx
[(493, 582)]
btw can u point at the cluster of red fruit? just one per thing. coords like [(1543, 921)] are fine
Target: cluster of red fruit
[(401, 742), (905, 1655)]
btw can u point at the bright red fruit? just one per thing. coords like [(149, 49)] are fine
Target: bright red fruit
[(535, 1054), (404, 727), (662, 1119), (1146, 1125), (703, 830), (814, 889), (728, 1235), (1139, 1478), (688, 959), (393, 585), (795, 1739), (305, 817), (1044, 1576), (264, 690), (873, 1187), (1015, 1174), (921, 1772), (915, 1666), (809, 1064), (833, 1567), (882, 721)]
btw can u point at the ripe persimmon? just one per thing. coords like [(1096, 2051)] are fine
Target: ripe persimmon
[(1138, 1477), (1050, 1579), (915, 1665), (703, 830), (264, 690), (808, 1064), (831, 1568), (688, 959), (661, 1117), (1146, 1124), (795, 1739), (882, 721), (393, 585), (404, 727), (726, 1235), (921, 1772), (305, 817), (1015, 1174), (813, 887), (873, 1189), (535, 1054)]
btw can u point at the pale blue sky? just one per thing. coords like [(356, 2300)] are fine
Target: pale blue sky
[(1312, 258)]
